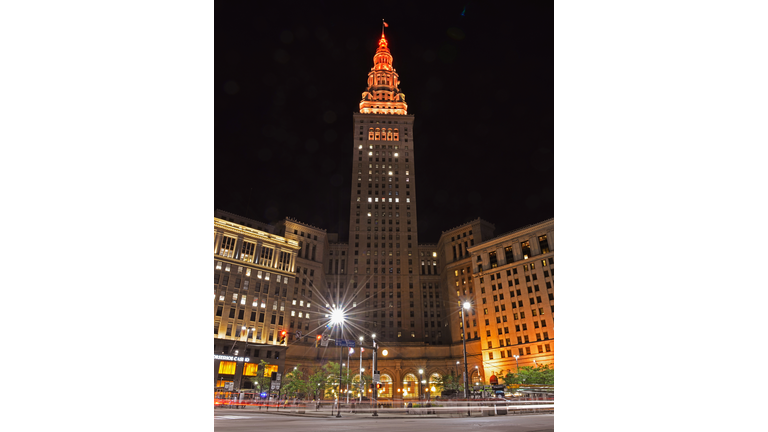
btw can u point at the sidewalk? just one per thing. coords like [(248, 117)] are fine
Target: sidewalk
[(367, 412), (324, 412)]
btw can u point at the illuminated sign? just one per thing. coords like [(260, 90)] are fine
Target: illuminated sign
[(230, 358)]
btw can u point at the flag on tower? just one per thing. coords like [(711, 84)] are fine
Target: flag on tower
[(385, 24)]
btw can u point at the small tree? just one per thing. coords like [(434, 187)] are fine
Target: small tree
[(539, 374), (316, 383), (295, 384), (331, 372), (262, 381), (450, 382)]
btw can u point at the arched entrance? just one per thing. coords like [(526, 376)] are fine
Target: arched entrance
[(434, 385), (410, 387), (386, 386)]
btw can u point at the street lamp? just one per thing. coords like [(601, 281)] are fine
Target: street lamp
[(373, 374), (337, 319), (466, 306), (421, 381), (351, 350), (361, 370), (517, 365)]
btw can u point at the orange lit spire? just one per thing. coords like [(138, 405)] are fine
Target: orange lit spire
[(383, 95)]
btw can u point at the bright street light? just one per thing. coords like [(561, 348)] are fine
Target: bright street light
[(337, 316)]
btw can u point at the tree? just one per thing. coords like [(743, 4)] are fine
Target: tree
[(332, 371), (262, 382), (450, 382), (295, 384), (541, 374), (316, 383)]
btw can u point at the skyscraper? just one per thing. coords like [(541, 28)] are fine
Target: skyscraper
[(383, 233)]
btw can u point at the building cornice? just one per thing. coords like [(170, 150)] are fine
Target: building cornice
[(254, 233)]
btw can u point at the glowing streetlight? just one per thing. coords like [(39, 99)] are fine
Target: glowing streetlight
[(337, 316), (466, 306)]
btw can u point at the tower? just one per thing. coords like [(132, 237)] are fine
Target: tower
[(383, 234)]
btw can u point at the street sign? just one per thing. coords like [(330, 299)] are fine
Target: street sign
[(498, 387), (345, 343), (298, 334), (324, 342), (376, 377), (229, 386)]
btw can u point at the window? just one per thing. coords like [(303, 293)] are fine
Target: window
[(544, 245), (526, 247)]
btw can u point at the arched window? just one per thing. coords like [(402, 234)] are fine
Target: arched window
[(377, 134), (410, 387), (396, 135), (386, 390), (370, 133), (434, 386), (389, 134)]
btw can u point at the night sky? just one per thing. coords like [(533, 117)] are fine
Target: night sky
[(478, 76)]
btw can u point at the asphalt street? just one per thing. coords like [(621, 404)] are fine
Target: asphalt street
[(227, 420)]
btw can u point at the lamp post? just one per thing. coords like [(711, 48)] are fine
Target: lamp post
[(421, 381), (361, 370), (466, 305), (373, 373), (351, 350), (337, 318)]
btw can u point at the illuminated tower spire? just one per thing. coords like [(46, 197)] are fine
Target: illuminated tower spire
[(383, 95)]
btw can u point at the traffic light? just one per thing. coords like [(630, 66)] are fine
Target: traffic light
[(378, 386), (317, 342), (282, 336)]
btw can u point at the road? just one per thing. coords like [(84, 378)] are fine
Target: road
[(228, 420)]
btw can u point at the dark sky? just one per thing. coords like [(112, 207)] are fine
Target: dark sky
[(289, 75)]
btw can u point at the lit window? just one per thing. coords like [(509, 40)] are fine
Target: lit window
[(247, 272), (266, 276), (226, 268), (294, 303), (218, 265), (301, 302), (242, 301), (307, 315), (293, 313), (258, 274), (299, 314)]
